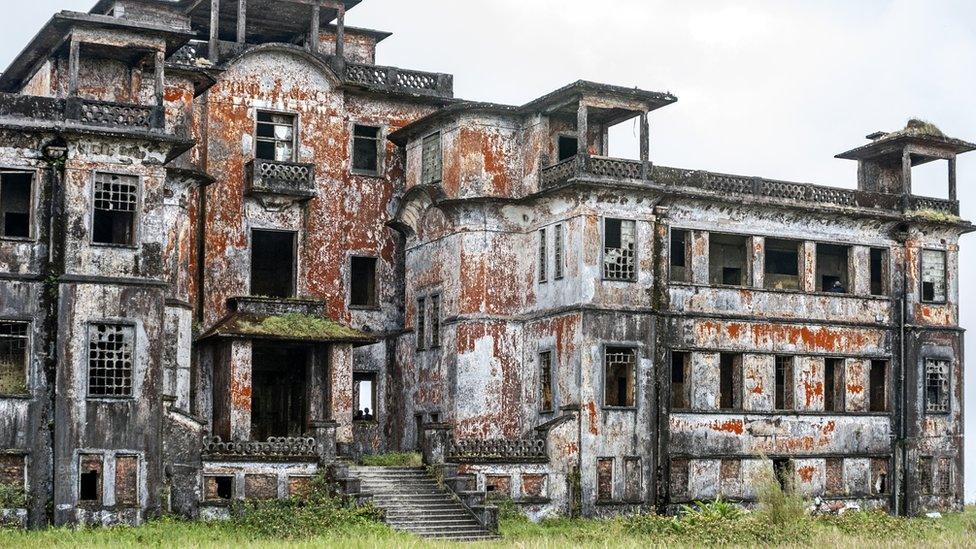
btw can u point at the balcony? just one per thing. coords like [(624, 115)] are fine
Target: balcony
[(399, 80), (289, 179), (115, 115)]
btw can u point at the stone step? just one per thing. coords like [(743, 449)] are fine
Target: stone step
[(421, 522), (438, 531)]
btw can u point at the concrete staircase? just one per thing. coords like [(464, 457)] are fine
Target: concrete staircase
[(414, 502)]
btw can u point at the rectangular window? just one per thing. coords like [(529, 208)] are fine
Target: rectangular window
[(126, 481), (545, 382), (834, 485), (557, 252), (568, 147), (604, 479), (15, 204), (218, 488), (833, 273), (13, 358), (619, 249), (879, 271), (421, 324), (273, 263), (110, 359), (783, 471), (925, 464), (730, 381), (275, 137), (728, 259), (543, 264), (878, 386), (879, 476), (782, 265), (114, 217), (90, 478), (362, 287), (834, 389), (366, 149), (933, 276), (619, 375), (435, 321), (364, 394), (936, 386), (432, 160), (679, 255), (680, 386), (679, 478), (784, 383), (945, 477)]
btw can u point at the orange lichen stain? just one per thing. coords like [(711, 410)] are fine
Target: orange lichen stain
[(855, 388), (829, 427), (591, 413), (734, 330), (812, 390), (806, 473), (735, 426), (757, 383)]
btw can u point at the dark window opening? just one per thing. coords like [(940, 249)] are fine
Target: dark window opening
[(366, 149), (278, 391), (925, 464), (557, 252), (679, 256), (619, 377), (90, 478), (110, 360), (879, 271), (273, 264), (435, 321), (604, 479), (275, 137), (362, 272), (784, 383), (568, 147), (936, 386), (784, 474), (225, 487), (728, 259), (419, 421), (545, 381), (435, 417), (543, 264), (13, 358), (782, 266), (432, 160), (879, 476), (114, 216), (945, 477), (833, 268), (364, 394), (421, 324), (15, 204), (619, 249), (730, 381), (89, 486), (834, 389), (878, 386), (933, 276), (680, 370)]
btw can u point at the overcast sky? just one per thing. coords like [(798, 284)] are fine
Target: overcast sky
[(773, 88)]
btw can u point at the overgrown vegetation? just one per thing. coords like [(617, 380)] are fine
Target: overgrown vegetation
[(298, 326), (12, 497), (393, 459)]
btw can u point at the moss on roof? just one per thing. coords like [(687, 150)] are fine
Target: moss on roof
[(917, 126), (934, 216), (297, 326)]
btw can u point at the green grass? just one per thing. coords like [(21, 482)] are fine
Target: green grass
[(393, 459)]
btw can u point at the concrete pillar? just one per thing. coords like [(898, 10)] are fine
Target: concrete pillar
[(582, 129), (241, 22), (808, 274), (645, 144), (906, 172), (757, 256), (74, 60), (160, 85), (340, 395), (239, 389), (214, 52), (340, 47), (860, 270), (952, 179), (315, 29), (699, 257)]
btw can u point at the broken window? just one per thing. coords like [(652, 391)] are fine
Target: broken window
[(833, 274), (218, 488), (782, 270), (110, 348), (13, 358), (126, 481), (15, 204), (784, 383), (680, 386), (366, 149), (114, 217), (604, 479), (543, 265), (936, 386), (730, 381), (545, 381), (879, 476), (728, 259), (275, 137), (568, 147), (619, 249), (278, 391), (90, 478), (273, 263), (362, 288), (679, 478), (421, 324), (834, 389), (878, 386), (834, 485), (879, 271), (925, 464), (945, 477), (364, 393), (933, 276), (435, 321), (432, 160), (783, 471), (557, 252), (619, 376), (679, 255), (633, 479)]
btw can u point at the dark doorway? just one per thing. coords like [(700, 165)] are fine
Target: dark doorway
[(568, 147), (273, 263), (278, 391)]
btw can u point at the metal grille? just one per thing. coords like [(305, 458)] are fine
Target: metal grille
[(543, 265), (936, 386), (110, 360), (116, 193), (435, 321), (432, 159), (557, 252), (933, 276), (619, 249), (545, 380), (421, 323), (276, 137), (13, 357), (619, 376), (945, 477)]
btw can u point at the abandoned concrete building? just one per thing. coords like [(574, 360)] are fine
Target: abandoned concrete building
[(236, 251)]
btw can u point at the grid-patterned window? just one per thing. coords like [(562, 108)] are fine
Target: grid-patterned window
[(421, 324), (432, 160), (116, 202), (366, 149), (545, 381), (110, 360), (619, 249), (619, 376), (933, 276), (435, 321), (543, 264), (13, 358), (15, 204), (945, 477), (557, 252), (936, 386), (275, 137)]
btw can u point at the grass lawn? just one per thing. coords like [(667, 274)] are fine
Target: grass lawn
[(858, 530)]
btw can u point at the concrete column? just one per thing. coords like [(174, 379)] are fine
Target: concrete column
[(906, 172), (241, 22), (582, 129), (239, 388), (860, 270), (952, 179), (160, 77), (699, 257), (74, 60), (808, 274), (758, 261), (314, 29), (340, 395), (645, 143), (340, 47), (214, 53)]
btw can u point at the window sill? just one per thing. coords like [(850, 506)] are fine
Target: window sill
[(15, 396), (370, 174), (18, 239), (110, 399), (923, 302), (775, 291), (819, 413), (115, 246), (625, 280), (620, 408), (366, 422), (368, 308)]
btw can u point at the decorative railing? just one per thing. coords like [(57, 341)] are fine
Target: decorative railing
[(118, 115), (190, 53), (286, 178), (275, 448), (396, 79), (524, 450), (926, 204)]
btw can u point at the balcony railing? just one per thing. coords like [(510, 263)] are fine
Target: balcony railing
[(523, 450), (281, 178), (395, 79), (116, 115), (274, 449)]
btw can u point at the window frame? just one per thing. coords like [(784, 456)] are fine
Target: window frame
[(432, 179), (551, 354), (136, 215), (543, 253), (746, 278), (435, 302), (603, 375), (603, 249), (375, 305), (885, 271), (373, 378), (945, 276), (381, 131), (420, 323), (31, 207), (799, 263), (947, 396), (134, 393), (557, 143), (296, 246), (296, 126), (687, 255), (28, 347), (558, 252), (818, 279)]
